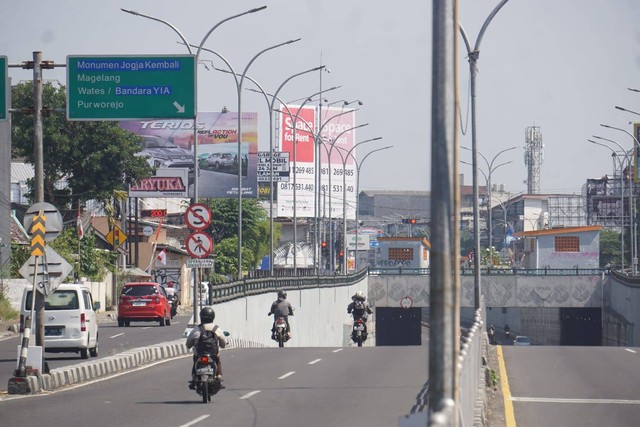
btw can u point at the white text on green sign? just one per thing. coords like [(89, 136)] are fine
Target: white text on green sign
[(129, 87)]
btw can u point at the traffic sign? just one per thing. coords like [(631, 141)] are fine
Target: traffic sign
[(199, 263), (131, 87), (116, 237), (199, 245), (38, 230), (198, 216), (4, 94), (54, 219), (52, 270)]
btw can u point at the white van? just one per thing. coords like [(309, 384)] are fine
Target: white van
[(70, 320)]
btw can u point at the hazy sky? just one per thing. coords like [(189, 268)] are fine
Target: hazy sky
[(561, 65)]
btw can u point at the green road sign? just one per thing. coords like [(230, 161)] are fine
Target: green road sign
[(131, 87), (3, 88)]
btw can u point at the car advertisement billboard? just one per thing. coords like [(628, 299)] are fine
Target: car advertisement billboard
[(170, 144), (301, 165)]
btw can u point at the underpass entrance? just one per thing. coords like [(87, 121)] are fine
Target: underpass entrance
[(398, 326), (581, 326)]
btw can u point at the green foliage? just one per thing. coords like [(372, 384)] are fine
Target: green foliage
[(466, 241), (94, 264), (610, 248), (19, 255), (93, 158), (6, 311), (494, 378), (224, 230)]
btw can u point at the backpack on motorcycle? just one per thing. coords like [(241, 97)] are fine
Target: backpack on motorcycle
[(359, 308), (208, 342)]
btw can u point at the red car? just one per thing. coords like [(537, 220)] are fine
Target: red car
[(143, 302)]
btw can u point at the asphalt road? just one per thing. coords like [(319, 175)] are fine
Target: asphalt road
[(573, 386), (112, 339), (369, 386)]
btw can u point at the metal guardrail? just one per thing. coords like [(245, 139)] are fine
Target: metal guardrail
[(255, 286), (496, 271)]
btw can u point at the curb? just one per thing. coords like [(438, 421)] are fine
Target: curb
[(87, 371), (110, 365)]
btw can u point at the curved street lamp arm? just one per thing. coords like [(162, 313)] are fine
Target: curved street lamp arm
[(487, 22), (264, 51), (168, 24), (625, 131)]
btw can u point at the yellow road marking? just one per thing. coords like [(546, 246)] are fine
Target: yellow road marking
[(509, 415)]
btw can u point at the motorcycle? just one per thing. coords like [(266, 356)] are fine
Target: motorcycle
[(281, 334), (173, 301), (206, 383), (358, 335)]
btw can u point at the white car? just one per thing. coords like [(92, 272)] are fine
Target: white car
[(70, 320), (522, 340)]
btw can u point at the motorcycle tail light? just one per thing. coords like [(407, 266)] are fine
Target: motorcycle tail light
[(204, 359)]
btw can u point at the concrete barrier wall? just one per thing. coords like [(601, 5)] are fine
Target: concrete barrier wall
[(320, 317)]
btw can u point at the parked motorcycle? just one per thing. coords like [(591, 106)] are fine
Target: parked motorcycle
[(358, 335), (281, 334), (206, 383)]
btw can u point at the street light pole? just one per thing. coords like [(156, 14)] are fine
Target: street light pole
[(489, 185), (332, 143), (270, 105), (474, 55), (632, 208), (613, 153), (344, 200), (195, 118)]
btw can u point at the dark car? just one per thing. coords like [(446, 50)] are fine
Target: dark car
[(161, 153), (143, 302)]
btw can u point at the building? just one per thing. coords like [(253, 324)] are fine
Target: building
[(569, 247), (403, 252)]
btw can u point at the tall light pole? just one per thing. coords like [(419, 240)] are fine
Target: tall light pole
[(197, 55), (614, 154), (270, 105), (195, 116), (333, 143), (490, 169), (632, 232), (474, 55), (344, 198), (239, 82)]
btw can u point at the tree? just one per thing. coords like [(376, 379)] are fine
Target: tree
[(610, 248), (91, 159), (224, 230)]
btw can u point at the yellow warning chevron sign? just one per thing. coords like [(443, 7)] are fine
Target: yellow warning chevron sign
[(38, 230)]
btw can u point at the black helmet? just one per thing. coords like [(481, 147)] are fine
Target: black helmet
[(282, 294), (207, 315)]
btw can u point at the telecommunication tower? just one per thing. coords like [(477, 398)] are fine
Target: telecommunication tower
[(533, 157)]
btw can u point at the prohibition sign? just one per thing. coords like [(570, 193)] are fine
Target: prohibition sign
[(198, 216), (199, 244)]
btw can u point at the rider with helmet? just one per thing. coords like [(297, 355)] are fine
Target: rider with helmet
[(281, 308), (360, 309), (206, 324)]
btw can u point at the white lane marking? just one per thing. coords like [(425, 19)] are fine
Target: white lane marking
[(288, 374), (629, 350), (147, 327), (248, 395), (195, 421), (589, 401), (337, 350), (117, 335), (313, 362)]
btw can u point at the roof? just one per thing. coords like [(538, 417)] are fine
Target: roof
[(559, 230), (406, 239), (21, 172)]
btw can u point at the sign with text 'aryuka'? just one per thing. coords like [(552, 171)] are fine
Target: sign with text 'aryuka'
[(130, 87)]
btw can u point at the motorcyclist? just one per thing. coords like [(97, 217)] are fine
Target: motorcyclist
[(172, 296), (507, 330), (360, 309), (207, 314), (281, 308), (492, 333)]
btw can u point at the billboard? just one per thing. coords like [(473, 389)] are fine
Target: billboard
[(169, 143), (301, 165), (338, 172)]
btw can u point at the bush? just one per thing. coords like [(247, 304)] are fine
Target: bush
[(6, 311)]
